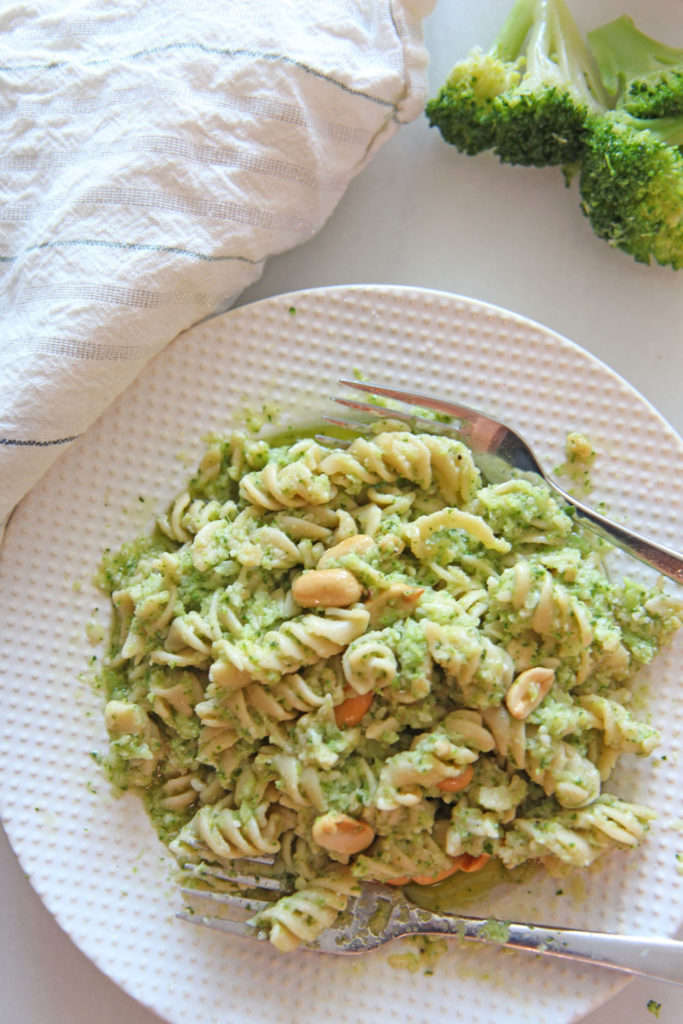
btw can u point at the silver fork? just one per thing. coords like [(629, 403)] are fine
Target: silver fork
[(380, 915), (500, 453)]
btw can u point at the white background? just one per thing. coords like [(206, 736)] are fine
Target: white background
[(422, 215)]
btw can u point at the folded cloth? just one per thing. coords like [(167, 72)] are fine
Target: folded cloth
[(155, 155)]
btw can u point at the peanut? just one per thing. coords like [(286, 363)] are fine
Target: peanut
[(466, 862), (463, 862), (351, 710), (457, 782), (528, 690), (357, 544), (427, 879), (326, 588), (341, 833)]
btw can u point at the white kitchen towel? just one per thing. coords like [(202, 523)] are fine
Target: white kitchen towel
[(155, 153)]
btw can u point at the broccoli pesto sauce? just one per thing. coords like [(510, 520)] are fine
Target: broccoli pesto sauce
[(368, 664), (423, 955), (496, 931)]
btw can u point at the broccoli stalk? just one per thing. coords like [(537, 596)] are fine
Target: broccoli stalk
[(528, 97), (641, 75)]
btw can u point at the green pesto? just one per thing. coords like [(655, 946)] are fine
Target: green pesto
[(118, 567), (225, 689), (496, 931)]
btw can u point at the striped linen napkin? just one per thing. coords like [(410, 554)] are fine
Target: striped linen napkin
[(155, 155)]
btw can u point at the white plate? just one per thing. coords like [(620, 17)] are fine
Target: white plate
[(95, 861)]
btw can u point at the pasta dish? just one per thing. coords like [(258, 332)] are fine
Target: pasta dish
[(372, 665)]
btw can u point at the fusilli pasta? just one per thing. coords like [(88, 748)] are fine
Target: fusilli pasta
[(466, 697)]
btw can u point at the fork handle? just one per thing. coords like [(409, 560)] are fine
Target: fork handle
[(664, 560), (651, 956)]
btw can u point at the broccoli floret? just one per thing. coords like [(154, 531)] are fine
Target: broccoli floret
[(529, 96), (663, 98), (631, 185), (463, 109), (612, 111), (643, 76), (540, 123), (631, 180)]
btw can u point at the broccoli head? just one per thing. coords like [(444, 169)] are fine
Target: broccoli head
[(463, 110), (662, 97), (631, 179), (528, 97), (631, 186), (641, 75)]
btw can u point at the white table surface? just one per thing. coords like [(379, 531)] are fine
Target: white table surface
[(422, 215)]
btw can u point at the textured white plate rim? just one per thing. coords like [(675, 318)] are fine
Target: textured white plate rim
[(279, 303), (490, 308)]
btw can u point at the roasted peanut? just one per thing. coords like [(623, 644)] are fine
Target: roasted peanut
[(466, 862), (326, 588), (341, 833), (357, 544), (528, 690), (399, 598), (351, 710), (463, 862), (457, 782), (427, 879)]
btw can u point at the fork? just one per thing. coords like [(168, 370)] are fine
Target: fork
[(500, 453), (381, 914)]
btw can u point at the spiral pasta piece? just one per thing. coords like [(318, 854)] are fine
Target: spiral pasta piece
[(256, 711), (422, 459), (300, 641), (146, 608), (482, 669), (620, 730), (179, 792), (432, 758), (421, 532), (223, 833), (369, 664), (576, 838), (391, 859), (300, 786), (303, 916), (394, 661), (563, 772), (175, 694), (187, 516), (135, 739), (294, 484), (188, 642)]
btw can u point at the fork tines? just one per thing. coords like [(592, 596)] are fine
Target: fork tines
[(453, 410), (227, 898), (457, 422)]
